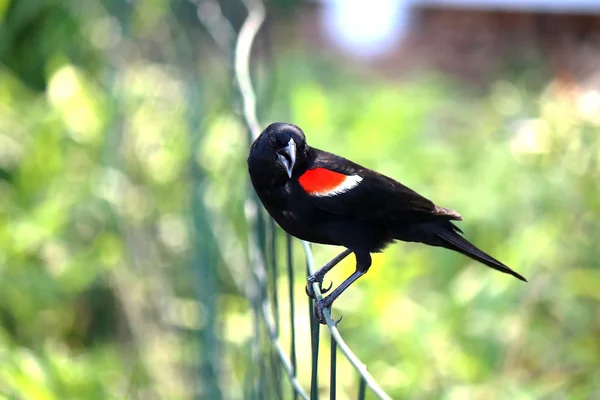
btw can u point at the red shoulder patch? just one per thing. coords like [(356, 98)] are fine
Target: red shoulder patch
[(320, 181)]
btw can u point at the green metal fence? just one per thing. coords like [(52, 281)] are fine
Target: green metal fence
[(263, 239)]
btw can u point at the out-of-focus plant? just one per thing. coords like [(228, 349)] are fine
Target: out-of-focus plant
[(122, 179)]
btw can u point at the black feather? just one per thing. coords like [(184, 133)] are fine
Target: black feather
[(365, 218), (451, 239)]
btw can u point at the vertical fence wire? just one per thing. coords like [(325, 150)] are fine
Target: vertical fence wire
[(275, 296), (290, 275), (362, 388), (315, 330), (274, 272), (259, 296), (332, 368)]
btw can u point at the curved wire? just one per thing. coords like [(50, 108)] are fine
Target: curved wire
[(243, 48)]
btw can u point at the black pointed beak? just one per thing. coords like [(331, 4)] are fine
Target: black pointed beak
[(286, 157)]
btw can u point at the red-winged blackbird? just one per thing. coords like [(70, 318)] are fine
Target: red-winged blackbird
[(323, 198)]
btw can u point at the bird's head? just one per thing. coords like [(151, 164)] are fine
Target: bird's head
[(278, 152)]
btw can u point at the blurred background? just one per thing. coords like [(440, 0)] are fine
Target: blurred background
[(123, 237)]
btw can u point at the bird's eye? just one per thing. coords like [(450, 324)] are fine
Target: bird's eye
[(273, 141)]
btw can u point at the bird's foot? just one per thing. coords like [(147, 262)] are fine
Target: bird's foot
[(321, 305), (309, 286)]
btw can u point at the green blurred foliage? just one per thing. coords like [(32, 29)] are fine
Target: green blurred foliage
[(123, 241), (521, 168)]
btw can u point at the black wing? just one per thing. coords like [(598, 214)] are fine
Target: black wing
[(376, 196)]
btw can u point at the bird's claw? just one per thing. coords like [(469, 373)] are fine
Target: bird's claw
[(337, 321), (319, 307), (319, 312), (309, 289)]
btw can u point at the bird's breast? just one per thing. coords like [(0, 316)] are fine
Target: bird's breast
[(295, 216)]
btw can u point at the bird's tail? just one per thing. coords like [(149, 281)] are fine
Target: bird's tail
[(450, 238)]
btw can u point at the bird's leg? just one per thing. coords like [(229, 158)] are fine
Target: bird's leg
[(363, 262), (318, 276), (328, 301)]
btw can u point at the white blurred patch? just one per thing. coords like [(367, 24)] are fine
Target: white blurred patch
[(532, 136), (71, 94), (111, 184), (588, 105), (366, 29), (63, 85), (55, 256), (11, 152), (173, 232)]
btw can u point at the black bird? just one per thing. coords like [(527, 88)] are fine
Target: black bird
[(324, 198)]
